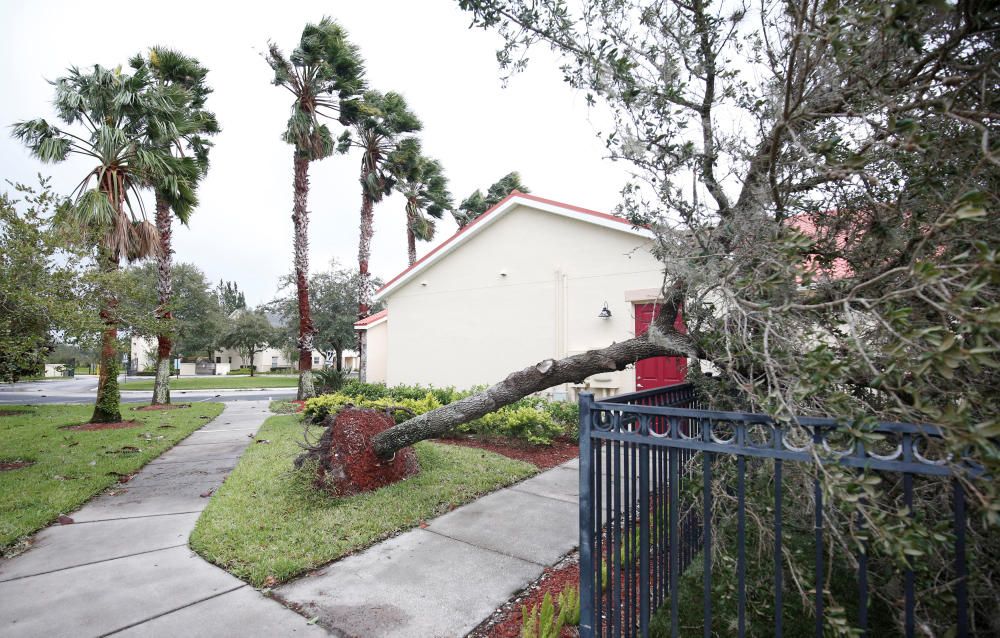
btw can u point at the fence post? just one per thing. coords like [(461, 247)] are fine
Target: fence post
[(586, 519)]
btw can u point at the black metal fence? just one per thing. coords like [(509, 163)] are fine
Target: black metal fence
[(646, 507)]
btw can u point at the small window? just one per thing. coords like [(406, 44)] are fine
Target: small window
[(274, 362), (230, 359), (315, 359), (218, 359)]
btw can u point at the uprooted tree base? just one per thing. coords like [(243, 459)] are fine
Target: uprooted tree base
[(345, 459)]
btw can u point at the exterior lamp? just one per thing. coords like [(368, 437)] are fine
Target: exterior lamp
[(605, 312)]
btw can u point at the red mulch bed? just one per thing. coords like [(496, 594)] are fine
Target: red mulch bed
[(299, 404), (506, 621), (14, 465), (168, 406), (541, 456), (117, 425), (13, 412)]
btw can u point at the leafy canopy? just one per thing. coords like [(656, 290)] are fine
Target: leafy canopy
[(325, 75), (116, 121), (380, 122), (421, 181), (187, 135), (476, 204)]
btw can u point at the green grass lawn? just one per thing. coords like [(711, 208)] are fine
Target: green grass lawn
[(72, 466), (218, 383), (267, 523)]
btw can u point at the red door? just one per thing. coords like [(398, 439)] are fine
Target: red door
[(656, 372)]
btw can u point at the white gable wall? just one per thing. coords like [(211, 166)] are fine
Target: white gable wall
[(461, 322)]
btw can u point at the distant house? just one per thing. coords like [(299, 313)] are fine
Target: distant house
[(528, 280), (143, 357)]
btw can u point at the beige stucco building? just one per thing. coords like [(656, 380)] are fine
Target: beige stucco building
[(528, 280)]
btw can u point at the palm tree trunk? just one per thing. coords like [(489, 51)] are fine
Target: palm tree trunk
[(364, 278), (411, 238), (300, 219), (107, 408), (164, 288)]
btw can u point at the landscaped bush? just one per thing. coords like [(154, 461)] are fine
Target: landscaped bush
[(533, 419), (517, 421), (239, 371), (319, 408), (373, 391)]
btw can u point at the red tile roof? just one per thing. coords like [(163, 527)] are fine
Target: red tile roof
[(367, 321)]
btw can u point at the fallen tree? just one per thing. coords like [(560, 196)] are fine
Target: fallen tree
[(543, 375)]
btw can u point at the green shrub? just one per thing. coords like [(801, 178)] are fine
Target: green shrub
[(569, 606), (518, 421), (329, 380), (544, 625), (320, 407), (370, 391), (533, 419)]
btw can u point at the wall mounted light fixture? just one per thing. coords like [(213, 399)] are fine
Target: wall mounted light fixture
[(605, 312)]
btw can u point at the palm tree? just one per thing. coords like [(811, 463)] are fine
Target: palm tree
[(379, 122), (188, 138), (112, 114), (476, 204), (421, 181), (323, 74)]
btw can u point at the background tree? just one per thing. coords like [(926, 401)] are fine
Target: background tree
[(476, 204), (421, 182), (333, 295), (37, 283), (197, 321), (113, 114), (379, 123), (187, 138), (324, 74), (229, 297), (249, 332)]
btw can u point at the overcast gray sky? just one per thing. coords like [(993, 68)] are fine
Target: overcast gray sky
[(422, 49)]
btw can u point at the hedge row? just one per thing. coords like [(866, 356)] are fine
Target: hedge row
[(533, 419)]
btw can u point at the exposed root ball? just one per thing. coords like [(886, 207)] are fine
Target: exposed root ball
[(346, 461)]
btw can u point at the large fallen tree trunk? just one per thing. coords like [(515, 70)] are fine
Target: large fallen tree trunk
[(536, 378)]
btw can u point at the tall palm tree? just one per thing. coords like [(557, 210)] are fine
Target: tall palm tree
[(324, 74), (379, 123), (111, 114), (189, 138), (421, 182)]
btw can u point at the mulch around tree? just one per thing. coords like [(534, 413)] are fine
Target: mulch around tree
[(6, 466), (89, 427), (506, 621), (541, 456), (167, 406)]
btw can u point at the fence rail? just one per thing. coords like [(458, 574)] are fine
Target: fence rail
[(644, 518)]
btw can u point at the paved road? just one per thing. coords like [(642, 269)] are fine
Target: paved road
[(82, 389)]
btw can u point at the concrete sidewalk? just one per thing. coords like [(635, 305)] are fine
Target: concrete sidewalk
[(124, 568), (444, 580)]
